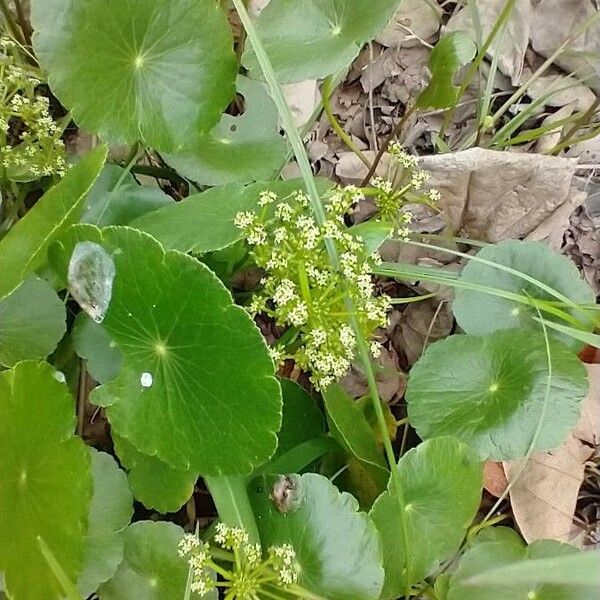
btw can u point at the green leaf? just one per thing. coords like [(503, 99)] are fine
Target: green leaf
[(373, 233), (24, 248), (239, 149), (45, 480), (311, 39), (156, 72), (110, 511), (493, 392), (204, 222), (452, 52), (507, 570), (93, 344), (151, 567), (302, 419), (196, 387), (336, 546), (32, 322), (441, 482), (349, 426), (116, 198), (153, 482), (479, 313)]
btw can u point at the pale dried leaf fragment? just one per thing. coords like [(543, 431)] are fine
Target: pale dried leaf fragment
[(588, 428), (544, 496)]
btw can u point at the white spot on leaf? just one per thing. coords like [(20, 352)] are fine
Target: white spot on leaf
[(146, 380)]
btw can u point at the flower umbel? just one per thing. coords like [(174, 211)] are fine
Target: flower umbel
[(301, 289), (249, 572)]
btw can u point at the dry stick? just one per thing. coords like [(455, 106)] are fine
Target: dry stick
[(23, 22), (395, 133), (327, 91), (371, 109)]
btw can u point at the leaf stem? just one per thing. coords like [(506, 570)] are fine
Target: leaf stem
[(230, 495), (335, 124), (12, 24)]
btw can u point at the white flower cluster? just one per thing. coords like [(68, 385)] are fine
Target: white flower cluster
[(32, 148), (303, 291), (230, 538), (283, 562), (403, 185), (199, 560)]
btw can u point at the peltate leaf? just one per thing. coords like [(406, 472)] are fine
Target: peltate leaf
[(196, 387), (153, 71), (479, 313), (32, 322), (452, 52), (24, 248), (311, 39), (494, 392), (475, 577), (441, 481), (45, 482), (153, 482), (239, 149), (204, 222), (337, 547), (110, 511)]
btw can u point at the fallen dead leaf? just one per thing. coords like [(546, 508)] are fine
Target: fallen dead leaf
[(588, 428), (494, 478), (303, 98), (414, 21), (544, 496)]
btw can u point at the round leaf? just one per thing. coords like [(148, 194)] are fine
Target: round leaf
[(479, 313), (93, 344), (310, 39), (46, 482), (110, 511), (469, 580), (239, 149), (32, 322), (151, 567), (196, 387), (336, 546), (116, 198), (441, 482), (493, 392), (155, 71), (153, 482)]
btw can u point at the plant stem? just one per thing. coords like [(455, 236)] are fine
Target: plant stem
[(327, 91), (23, 23), (230, 495), (395, 133), (319, 213)]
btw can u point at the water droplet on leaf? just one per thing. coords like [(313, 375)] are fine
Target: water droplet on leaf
[(146, 380), (91, 275), (59, 376)]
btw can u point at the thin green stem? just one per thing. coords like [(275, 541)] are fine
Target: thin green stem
[(230, 495), (327, 92), (11, 23), (319, 213)]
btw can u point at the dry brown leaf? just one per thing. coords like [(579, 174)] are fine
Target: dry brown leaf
[(544, 496), (494, 478), (553, 21), (255, 6), (588, 428), (491, 195), (565, 91), (512, 42), (415, 20), (303, 98)]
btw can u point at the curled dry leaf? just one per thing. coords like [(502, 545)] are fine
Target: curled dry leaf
[(494, 478)]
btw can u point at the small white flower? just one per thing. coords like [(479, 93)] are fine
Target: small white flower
[(284, 293), (298, 315), (267, 197)]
